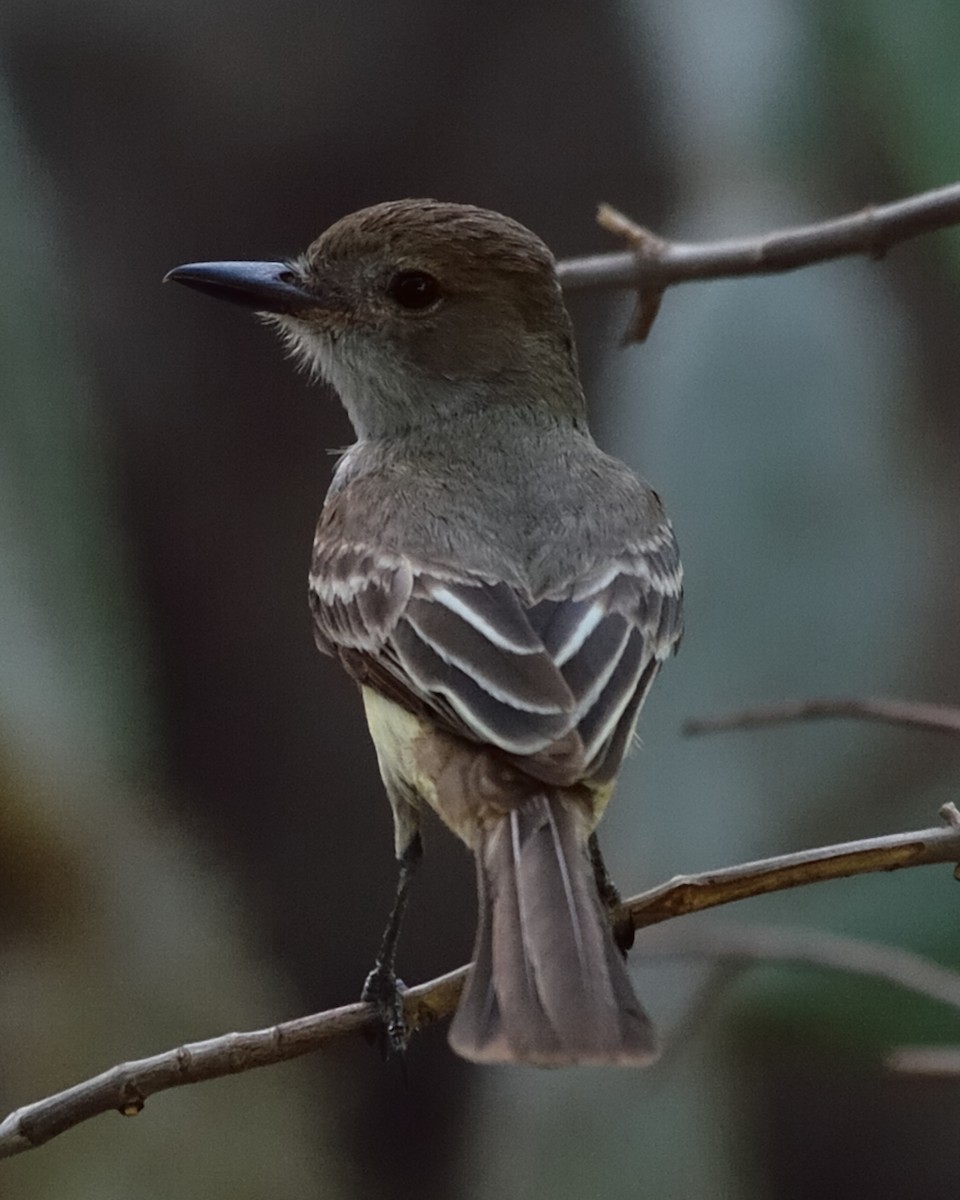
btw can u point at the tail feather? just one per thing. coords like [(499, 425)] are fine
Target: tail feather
[(548, 984)]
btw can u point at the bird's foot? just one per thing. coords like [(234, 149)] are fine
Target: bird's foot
[(383, 989), (624, 932), (620, 923)]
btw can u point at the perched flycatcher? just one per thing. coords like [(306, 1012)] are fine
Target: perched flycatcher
[(502, 590)]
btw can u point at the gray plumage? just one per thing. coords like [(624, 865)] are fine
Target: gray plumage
[(548, 977), (517, 617), (503, 591)]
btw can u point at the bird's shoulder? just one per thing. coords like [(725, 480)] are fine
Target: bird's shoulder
[(540, 644), (554, 509)]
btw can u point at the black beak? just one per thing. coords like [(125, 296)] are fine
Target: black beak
[(265, 286)]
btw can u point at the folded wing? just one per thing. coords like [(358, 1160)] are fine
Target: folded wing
[(556, 681)]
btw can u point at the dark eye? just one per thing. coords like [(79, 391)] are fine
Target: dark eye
[(414, 289)]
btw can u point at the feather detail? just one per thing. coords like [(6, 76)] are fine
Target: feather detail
[(488, 663), (548, 985)]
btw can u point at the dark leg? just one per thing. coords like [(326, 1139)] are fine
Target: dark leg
[(381, 986), (623, 930)]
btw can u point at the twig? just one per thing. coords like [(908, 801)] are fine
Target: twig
[(731, 950), (647, 248), (937, 717), (654, 264), (126, 1087), (926, 1060), (815, 948), (692, 893)]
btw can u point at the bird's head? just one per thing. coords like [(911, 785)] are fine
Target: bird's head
[(415, 310)]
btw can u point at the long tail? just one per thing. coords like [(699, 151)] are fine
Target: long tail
[(548, 984)]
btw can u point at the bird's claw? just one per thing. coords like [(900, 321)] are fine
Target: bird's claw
[(383, 989), (624, 932)]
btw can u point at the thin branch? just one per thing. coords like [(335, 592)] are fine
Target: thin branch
[(941, 1061), (731, 950), (126, 1087), (871, 231), (654, 264), (814, 948), (940, 718), (647, 248), (693, 893)]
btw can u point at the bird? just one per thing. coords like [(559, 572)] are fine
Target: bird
[(502, 590)]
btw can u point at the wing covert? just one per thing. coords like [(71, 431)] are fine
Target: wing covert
[(555, 682)]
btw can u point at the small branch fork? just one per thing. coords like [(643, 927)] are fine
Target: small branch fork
[(127, 1086), (653, 264)]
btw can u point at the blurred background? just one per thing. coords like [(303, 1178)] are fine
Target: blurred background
[(193, 836)]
